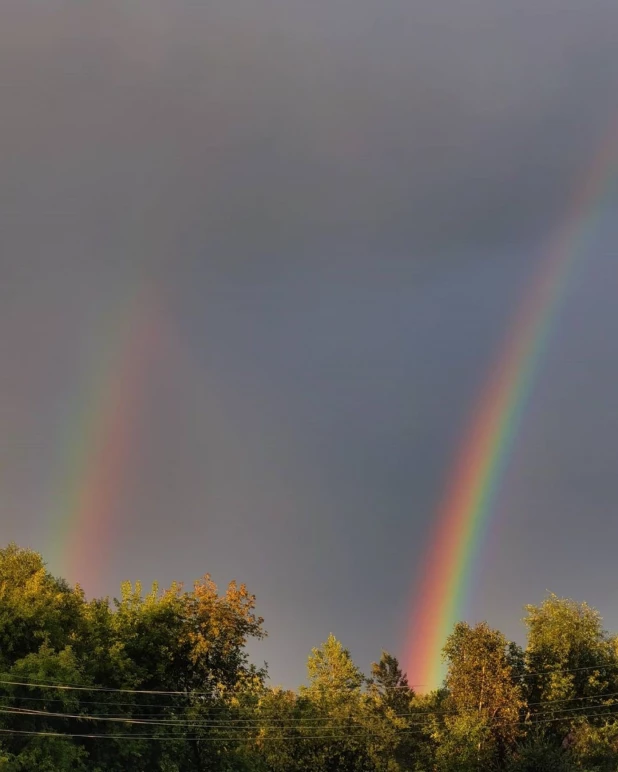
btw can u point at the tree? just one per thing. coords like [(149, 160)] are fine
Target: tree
[(184, 653), (31, 710), (391, 684), (331, 672), (465, 744), (483, 691), (394, 723), (595, 744), (34, 605), (191, 643), (570, 661), (334, 702), (428, 716), (541, 753), (286, 728), (165, 678)]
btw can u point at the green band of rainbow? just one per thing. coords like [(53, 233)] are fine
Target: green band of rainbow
[(462, 517)]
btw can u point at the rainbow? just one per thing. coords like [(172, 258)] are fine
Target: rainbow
[(468, 504), (98, 448)]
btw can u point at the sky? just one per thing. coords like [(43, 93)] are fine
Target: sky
[(272, 248)]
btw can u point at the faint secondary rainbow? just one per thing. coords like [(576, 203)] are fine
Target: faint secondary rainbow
[(467, 506), (96, 460)]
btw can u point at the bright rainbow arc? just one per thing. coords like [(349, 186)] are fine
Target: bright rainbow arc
[(463, 515)]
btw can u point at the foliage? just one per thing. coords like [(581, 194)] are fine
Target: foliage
[(572, 665), (191, 643), (161, 680), (483, 690), (540, 753), (465, 744)]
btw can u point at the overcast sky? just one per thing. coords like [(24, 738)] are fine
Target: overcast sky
[(336, 206)]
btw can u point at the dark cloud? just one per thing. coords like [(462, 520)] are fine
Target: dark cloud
[(338, 203), (243, 132)]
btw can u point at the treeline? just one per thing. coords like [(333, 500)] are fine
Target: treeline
[(162, 681)]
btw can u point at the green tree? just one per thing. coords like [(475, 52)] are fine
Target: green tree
[(429, 712), (391, 684), (192, 643), (570, 661), (594, 744), (331, 673), (34, 606), (286, 729), (465, 744), (483, 692), (394, 723), (334, 702), (28, 710), (147, 646), (540, 752)]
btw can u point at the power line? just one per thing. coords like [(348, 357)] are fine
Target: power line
[(606, 666), (240, 738), (262, 717), (66, 687), (361, 733), (190, 693), (51, 683), (195, 723)]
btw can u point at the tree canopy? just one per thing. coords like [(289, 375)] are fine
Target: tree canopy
[(160, 679)]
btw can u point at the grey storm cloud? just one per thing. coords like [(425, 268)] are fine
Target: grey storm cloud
[(339, 201), (234, 131)]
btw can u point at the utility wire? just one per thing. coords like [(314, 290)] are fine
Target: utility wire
[(240, 738), (262, 718), (48, 683), (257, 727)]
